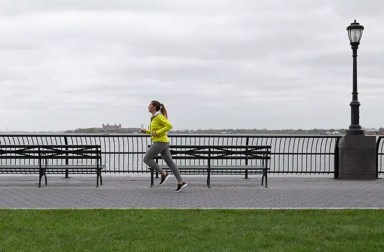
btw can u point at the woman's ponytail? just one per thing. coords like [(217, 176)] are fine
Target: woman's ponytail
[(163, 110)]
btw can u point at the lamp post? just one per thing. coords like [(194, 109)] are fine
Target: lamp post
[(355, 31), (357, 152)]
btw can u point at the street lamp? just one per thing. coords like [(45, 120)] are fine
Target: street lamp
[(355, 31)]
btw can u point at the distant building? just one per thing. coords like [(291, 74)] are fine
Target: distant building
[(332, 132), (371, 132), (108, 127)]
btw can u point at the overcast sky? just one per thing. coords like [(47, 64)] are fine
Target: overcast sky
[(215, 64)]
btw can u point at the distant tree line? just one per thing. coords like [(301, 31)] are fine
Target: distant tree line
[(265, 131), (105, 131), (216, 131)]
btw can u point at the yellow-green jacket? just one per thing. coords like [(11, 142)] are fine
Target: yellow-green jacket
[(161, 126)]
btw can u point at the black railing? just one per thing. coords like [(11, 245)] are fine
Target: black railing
[(123, 153), (289, 154)]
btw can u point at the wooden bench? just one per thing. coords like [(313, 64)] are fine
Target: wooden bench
[(46, 159), (219, 159)]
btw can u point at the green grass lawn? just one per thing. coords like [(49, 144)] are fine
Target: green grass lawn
[(191, 230)]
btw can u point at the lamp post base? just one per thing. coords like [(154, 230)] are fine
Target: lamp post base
[(357, 157)]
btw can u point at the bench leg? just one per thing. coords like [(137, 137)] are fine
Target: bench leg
[(246, 174), (98, 178), (209, 179), (262, 179), (265, 174), (42, 174)]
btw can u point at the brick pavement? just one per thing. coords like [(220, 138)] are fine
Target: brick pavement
[(232, 192)]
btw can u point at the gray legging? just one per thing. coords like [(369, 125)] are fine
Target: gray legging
[(162, 149)]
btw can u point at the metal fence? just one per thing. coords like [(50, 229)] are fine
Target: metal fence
[(123, 153)]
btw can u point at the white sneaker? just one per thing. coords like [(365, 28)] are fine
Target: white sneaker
[(181, 187), (164, 178)]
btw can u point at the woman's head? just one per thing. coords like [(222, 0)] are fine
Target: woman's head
[(156, 106)]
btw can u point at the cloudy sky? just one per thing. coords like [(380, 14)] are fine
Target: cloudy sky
[(215, 64)]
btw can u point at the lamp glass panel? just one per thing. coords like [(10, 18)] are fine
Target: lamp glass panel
[(355, 35)]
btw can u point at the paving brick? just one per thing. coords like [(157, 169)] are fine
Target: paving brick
[(227, 192)]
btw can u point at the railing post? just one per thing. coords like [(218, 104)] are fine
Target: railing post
[(336, 160), (246, 160), (247, 144), (377, 156), (209, 168), (66, 160)]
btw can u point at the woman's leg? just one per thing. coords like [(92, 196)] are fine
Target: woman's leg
[(152, 152), (166, 154)]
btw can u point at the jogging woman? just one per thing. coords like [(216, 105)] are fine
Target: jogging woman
[(158, 130)]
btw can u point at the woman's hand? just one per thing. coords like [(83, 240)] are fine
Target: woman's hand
[(142, 130)]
